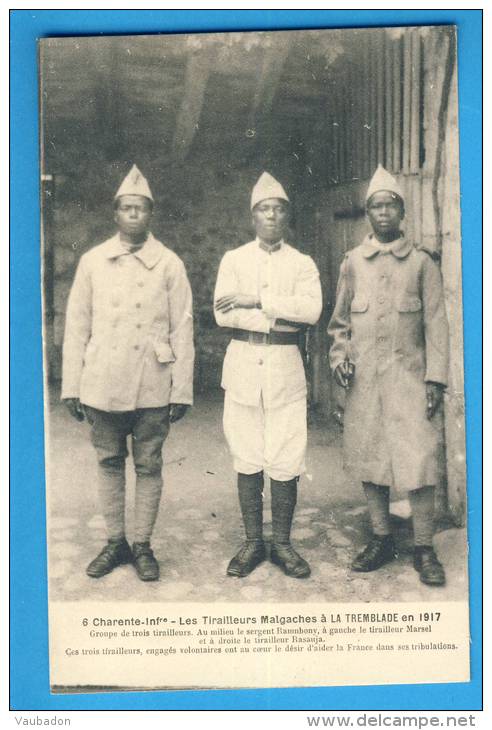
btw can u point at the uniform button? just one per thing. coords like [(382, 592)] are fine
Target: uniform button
[(139, 326), (138, 305), (114, 347), (140, 283), (260, 362), (116, 303), (136, 347), (380, 339), (264, 286), (381, 300)]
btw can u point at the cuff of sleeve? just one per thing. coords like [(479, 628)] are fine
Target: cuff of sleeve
[(177, 397), (438, 378), (69, 393), (266, 304)]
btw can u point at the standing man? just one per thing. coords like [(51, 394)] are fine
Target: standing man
[(266, 291), (390, 353), (128, 367)]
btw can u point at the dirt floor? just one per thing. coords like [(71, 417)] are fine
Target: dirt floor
[(199, 528)]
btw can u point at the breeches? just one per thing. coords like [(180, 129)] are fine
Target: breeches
[(269, 439), (148, 427)]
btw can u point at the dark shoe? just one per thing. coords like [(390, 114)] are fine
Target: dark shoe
[(116, 552), (146, 565), (247, 559), (291, 562), (426, 563), (379, 551)]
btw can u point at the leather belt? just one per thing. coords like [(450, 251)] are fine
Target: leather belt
[(266, 338)]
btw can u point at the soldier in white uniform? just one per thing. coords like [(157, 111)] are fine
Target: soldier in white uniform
[(128, 367), (266, 292)]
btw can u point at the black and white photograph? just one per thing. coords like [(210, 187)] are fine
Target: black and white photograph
[(253, 358)]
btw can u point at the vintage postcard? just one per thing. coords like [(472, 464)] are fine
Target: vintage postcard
[(253, 351)]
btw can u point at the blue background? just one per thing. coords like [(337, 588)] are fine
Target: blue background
[(29, 620)]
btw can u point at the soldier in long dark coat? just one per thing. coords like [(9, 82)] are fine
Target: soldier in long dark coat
[(390, 353)]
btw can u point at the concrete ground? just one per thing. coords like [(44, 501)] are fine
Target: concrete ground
[(199, 528)]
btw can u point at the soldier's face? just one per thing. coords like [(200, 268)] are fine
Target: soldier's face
[(133, 214), (270, 219), (385, 212)]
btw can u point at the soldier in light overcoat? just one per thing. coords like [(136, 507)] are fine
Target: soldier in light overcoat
[(128, 367)]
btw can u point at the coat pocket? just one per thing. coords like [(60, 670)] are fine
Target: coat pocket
[(164, 352), (359, 304), (409, 304), (90, 351)]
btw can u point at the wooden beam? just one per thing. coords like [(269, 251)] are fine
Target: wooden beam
[(365, 51), (373, 111), (106, 75), (397, 116), (380, 94), (407, 98), (415, 102), (268, 80), (197, 75), (388, 62)]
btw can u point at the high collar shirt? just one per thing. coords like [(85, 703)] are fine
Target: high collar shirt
[(129, 328), (287, 284)]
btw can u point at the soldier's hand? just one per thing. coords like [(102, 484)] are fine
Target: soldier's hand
[(235, 301), (177, 411), (75, 408), (434, 393), (344, 373)]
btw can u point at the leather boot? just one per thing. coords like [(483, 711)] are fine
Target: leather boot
[(284, 499), (252, 552), (289, 560), (379, 551), (116, 552), (428, 566), (145, 563), (249, 556)]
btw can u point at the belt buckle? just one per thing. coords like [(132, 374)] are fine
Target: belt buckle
[(258, 338)]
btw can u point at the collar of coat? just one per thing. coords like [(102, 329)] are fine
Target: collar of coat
[(270, 249), (400, 248), (149, 254)]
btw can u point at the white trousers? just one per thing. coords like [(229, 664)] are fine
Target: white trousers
[(269, 439)]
